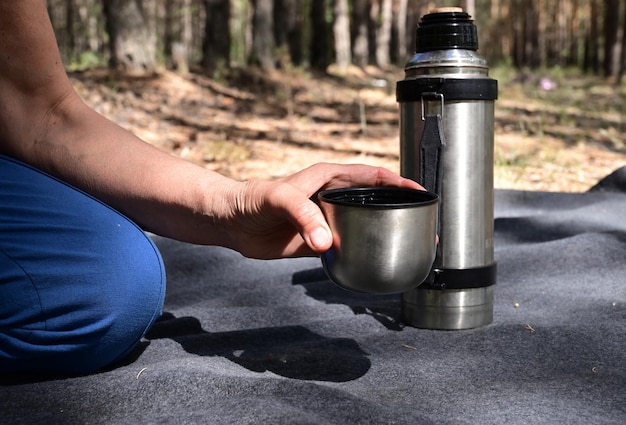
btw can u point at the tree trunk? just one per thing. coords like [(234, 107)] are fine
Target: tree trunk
[(415, 10), (70, 29), (132, 44), (383, 33), (611, 40), (359, 30), (401, 31), (170, 27), (497, 48), (341, 31), (591, 57), (183, 50), (526, 40), (216, 43), (532, 36), (296, 33), (178, 33), (622, 66), (319, 39), (288, 30), (240, 23), (263, 34), (281, 15)]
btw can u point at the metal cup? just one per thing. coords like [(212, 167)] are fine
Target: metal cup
[(384, 238)]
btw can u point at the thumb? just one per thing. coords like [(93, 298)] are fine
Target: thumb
[(319, 239), (309, 221)]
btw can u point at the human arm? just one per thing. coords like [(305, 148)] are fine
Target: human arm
[(43, 122)]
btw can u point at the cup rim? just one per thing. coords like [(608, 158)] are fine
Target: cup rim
[(346, 197)]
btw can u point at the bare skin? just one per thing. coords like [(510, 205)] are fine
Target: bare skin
[(44, 122)]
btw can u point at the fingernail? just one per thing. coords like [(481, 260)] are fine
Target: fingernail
[(320, 237)]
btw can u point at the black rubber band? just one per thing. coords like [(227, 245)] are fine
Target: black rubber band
[(413, 90), (476, 277)]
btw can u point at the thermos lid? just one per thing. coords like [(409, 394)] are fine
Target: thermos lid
[(446, 28)]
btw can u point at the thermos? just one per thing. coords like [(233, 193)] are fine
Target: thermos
[(446, 144)]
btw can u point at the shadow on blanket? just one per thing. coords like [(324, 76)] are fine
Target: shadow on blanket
[(289, 351), (384, 308)]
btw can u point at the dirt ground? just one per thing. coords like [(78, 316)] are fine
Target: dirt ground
[(558, 133)]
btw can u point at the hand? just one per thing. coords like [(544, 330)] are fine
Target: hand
[(273, 219)]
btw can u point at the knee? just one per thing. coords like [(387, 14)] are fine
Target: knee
[(126, 309), (90, 316)]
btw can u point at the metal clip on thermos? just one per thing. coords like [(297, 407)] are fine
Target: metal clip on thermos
[(446, 144)]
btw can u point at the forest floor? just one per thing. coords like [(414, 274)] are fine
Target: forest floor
[(553, 132)]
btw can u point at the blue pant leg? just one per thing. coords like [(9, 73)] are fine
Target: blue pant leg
[(80, 283)]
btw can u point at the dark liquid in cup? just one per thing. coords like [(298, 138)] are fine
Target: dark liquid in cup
[(379, 196)]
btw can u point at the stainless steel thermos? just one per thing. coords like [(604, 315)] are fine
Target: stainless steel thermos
[(446, 144)]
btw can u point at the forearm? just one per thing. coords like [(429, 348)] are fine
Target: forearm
[(163, 194)]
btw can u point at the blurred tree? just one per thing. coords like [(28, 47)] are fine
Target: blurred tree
[(622, 66), (612, 38), (587, 34), (216, 41), (341, 32), (288, 29), (400, 30), (319, 35), (263, 34), (359, 30), (382, 15), (132, 43)]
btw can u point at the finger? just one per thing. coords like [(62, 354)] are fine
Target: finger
[(328, 176)]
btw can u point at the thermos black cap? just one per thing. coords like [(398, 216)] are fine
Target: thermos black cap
[(446, 28)]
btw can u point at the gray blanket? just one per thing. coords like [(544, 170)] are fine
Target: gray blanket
[(246, 341)]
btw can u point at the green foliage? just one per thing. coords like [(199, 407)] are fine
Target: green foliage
[(504, 73), (87, 60)]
